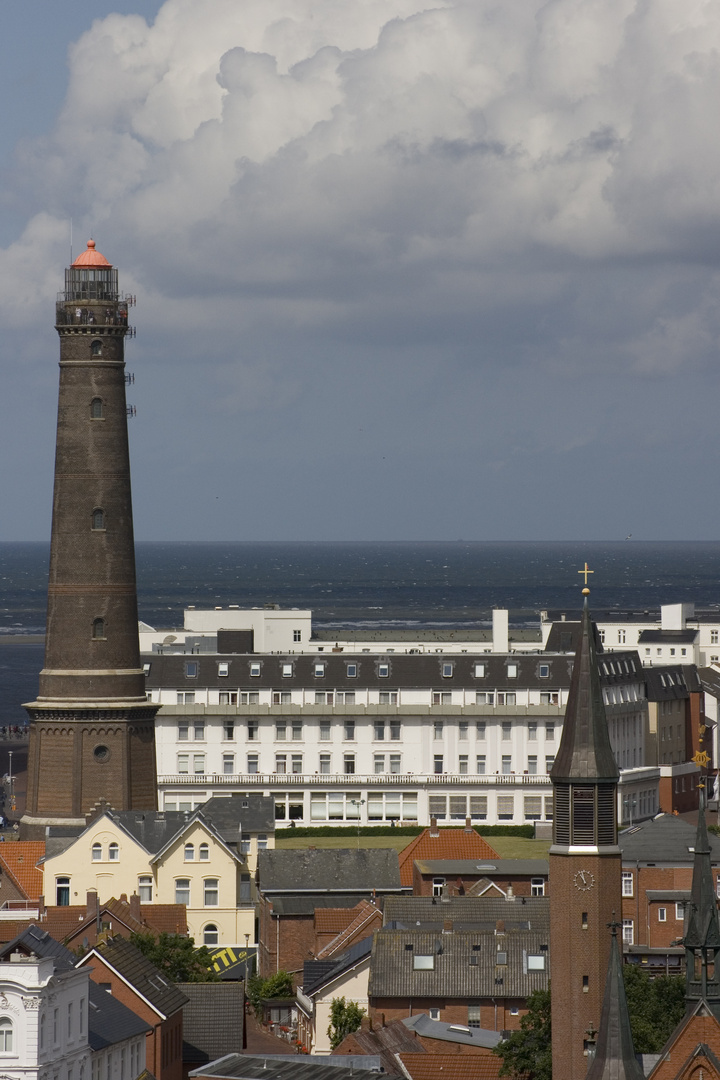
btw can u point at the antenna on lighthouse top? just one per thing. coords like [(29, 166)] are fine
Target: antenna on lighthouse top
[(71, 258)]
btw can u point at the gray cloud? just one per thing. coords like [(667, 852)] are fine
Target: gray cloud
[(403, 271)]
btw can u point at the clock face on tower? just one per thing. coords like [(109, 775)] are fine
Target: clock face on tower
[(583, 880)]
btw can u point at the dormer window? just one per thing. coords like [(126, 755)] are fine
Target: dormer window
[(351, 671), (319, 671), (223, 670), (191, 669), (254, 671), (447, 671), (287, 671), (383, 671), (479, 671), (544, 671), (512, 670)]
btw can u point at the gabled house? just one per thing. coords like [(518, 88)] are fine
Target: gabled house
[(120, 969), (344, 975), (204, 860), (435, 843)]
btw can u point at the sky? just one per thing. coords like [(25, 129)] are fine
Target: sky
[(404, 270)]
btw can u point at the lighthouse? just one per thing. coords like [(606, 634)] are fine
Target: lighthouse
[(91, 727)]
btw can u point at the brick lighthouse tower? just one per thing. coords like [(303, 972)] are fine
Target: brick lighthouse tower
[(585, 863), (91, 727)]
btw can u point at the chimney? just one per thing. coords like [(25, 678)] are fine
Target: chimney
[(92, 904), (382, 1019), (500, 926), (41, 907), (434, 831), (447, 926), (468, 826), (135, 907), (509, 895)]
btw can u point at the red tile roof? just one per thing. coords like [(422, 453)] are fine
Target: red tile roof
[(65, 923), (451, 1066), (445, 844), (333, 920), (19, 861), (367, 919)]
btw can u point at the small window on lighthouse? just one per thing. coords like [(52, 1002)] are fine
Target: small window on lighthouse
[(96, 409), (96, 348), (98, 519), (98, 628)]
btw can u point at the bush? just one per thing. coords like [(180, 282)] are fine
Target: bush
[(351, 830)]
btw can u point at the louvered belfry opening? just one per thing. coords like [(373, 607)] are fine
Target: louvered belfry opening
[(585, 815)]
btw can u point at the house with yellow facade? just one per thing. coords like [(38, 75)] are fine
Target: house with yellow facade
[(205, 859)]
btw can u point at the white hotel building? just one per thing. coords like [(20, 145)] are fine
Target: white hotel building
[(373, 731)]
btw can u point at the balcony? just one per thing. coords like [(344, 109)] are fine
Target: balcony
[(384, 780)]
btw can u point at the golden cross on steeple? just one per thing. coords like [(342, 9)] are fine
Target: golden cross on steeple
[(586, 571)]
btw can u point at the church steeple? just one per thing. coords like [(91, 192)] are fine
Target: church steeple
[(585, 863), (585, 773), (615, 1055), (702, 926)]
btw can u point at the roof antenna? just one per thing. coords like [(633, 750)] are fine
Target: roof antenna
[(71, 239)]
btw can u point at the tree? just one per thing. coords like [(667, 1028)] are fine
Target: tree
[(656, 1006), (528, 1052), (345, 1017), (279, 985), (176, 956)]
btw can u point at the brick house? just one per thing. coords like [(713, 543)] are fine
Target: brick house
[(121, 969), (470, 877), (657, 868), (292, 885), (463, 960), (435, 843)]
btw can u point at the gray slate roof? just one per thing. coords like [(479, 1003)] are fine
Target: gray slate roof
[(318, 973), (230, 818), (468, 912), (585, 752), (326, 870), (668, 637), (289, 1067), (212, 1020), (34, 939), (664, 840), (306, 905), (667, 683), (496, 868), (406, 671), (109, 1021), (453, 1033), (465, 964), (136, 969)]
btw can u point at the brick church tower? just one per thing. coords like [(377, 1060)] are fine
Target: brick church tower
[(91, 727), (585, 863)]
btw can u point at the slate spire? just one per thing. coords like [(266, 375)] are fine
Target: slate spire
[(615, 1054), (585, 753), (702, 925)]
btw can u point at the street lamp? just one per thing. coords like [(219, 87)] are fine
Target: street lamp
[(10, 780)]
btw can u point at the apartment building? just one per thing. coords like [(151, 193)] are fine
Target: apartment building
[(375, 736)]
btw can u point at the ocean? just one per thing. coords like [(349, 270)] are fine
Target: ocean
[(350, 585)]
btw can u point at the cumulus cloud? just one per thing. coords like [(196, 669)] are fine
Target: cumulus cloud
[(462, 185)]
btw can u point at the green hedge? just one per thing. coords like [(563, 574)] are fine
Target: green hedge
[(400, 830)]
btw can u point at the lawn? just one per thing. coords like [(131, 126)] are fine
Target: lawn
[(507, 847)]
